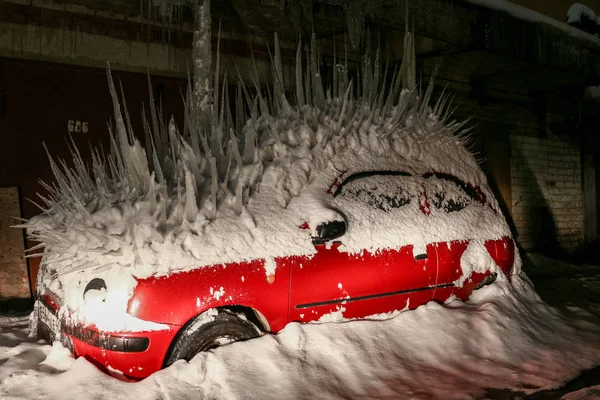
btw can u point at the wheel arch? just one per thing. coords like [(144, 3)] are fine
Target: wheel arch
[(249, 313)]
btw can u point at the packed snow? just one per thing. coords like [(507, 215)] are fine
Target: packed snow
[(504, 337), (577, 11)]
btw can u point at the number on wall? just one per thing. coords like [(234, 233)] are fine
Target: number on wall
[(77, 126)]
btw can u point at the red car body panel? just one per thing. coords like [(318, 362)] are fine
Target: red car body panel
[(504, 254), (132, 366), (192, 292), (362, 284), (127, 365)]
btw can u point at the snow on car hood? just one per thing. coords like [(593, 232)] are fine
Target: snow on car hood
[(219, 192)]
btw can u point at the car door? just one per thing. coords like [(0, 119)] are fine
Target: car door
[(369, 269), (449, 199)]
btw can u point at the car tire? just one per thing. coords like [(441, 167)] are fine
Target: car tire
[(206, 331)]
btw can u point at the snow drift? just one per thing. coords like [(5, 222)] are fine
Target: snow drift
[(504, 337)]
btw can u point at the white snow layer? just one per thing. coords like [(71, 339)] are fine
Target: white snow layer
[(577, 10), (504, 337)]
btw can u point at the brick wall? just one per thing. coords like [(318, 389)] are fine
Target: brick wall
[(530, 150), (547, 194)]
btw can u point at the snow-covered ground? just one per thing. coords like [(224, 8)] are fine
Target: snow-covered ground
[(565, 285), (504, 338)]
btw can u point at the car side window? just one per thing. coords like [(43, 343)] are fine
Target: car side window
[(383, 190), (447, 192)]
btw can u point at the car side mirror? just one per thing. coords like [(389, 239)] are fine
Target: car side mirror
[(328, 231)]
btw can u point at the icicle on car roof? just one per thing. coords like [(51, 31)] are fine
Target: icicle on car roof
[(192, 188)]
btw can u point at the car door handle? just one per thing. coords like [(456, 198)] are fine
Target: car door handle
[(423, 256)]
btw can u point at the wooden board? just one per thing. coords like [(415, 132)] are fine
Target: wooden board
[(14, 282)]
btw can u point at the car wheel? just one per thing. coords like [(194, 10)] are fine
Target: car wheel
[(207, 331)]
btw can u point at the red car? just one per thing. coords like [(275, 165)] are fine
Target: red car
[(211, 305)]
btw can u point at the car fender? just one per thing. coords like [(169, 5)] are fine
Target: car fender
[(178, 297)]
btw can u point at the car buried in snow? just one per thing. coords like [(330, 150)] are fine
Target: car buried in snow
[(200, 308), (347, 206)]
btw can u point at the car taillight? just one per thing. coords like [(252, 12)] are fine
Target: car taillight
[(503, 253)]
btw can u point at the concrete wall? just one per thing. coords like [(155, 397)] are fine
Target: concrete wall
[(73, 47), (127, 48)]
